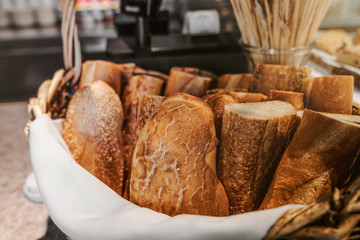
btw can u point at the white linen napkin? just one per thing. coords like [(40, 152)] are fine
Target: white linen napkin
[(85, 208)]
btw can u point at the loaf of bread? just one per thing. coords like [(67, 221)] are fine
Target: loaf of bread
[(294, 98), (229, 81), (137, 86), (218, 102), (253, 138), (116, 75), (174, 163), (188, 80), (318, 158), (147, 104), (92, 131), (333, 94), (279, 77)]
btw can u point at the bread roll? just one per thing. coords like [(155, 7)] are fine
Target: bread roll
[(253, 138), (92, 131), (188, 80), (174, 164), (318, 158), (111, 73), (294, 98), (333, 94), (279, 77), (350, 56), (137, 86), (229, 81), (218, 102)]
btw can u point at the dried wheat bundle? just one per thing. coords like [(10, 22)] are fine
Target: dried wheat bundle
[(279, 24)]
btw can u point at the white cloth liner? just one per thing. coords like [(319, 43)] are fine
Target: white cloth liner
[(85, 208)]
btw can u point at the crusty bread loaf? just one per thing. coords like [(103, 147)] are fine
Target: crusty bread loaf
[(137, 86), (229, 81), (294, 98), (245, 97), (253, 138), (218, 102), (318, 158), (92, 131), (332, 94), (224, 91), (140, 71), (279, 77), (147, 104), (188, 80), (174, 163), (116, 75)]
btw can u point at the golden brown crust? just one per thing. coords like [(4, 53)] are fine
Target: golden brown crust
[(109, 72), (357, 37), (174, 169), (229, 81), (218, 102), (92, 131), (294, 98), (253, 138), (318, 158), (279, 77), (333, 94), (188, 80), (147, 104), (137, 86)]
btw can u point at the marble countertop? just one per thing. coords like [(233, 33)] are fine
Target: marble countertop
[(19, 219)]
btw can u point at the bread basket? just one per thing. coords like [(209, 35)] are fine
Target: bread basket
[(85, 208)]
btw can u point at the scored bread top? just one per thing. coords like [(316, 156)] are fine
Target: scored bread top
[(262, 110), (174, 162)]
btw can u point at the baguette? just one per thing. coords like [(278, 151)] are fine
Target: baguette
[(279, 77), (294, 98), (111, 73), (333, 94), (318, 159), (92, 131), (218, 102), (137, 86), (333, 40), (188, 80), (174, 163), (229, 81), (253, 138)]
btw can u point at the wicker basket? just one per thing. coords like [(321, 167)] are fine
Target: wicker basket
[(336, 217)]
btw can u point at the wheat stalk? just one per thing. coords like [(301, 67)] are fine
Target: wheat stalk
[(279, 23)]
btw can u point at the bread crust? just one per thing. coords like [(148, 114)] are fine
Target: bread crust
[(92, 131), (116, 75), (188, 80), (294, 98), (218, 102), (250, 149), (242, 81), (174, 169), (318, 158), (279, 77), (137, 86), (333, 94)]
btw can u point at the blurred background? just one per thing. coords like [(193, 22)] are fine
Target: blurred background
[(31, 50)]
